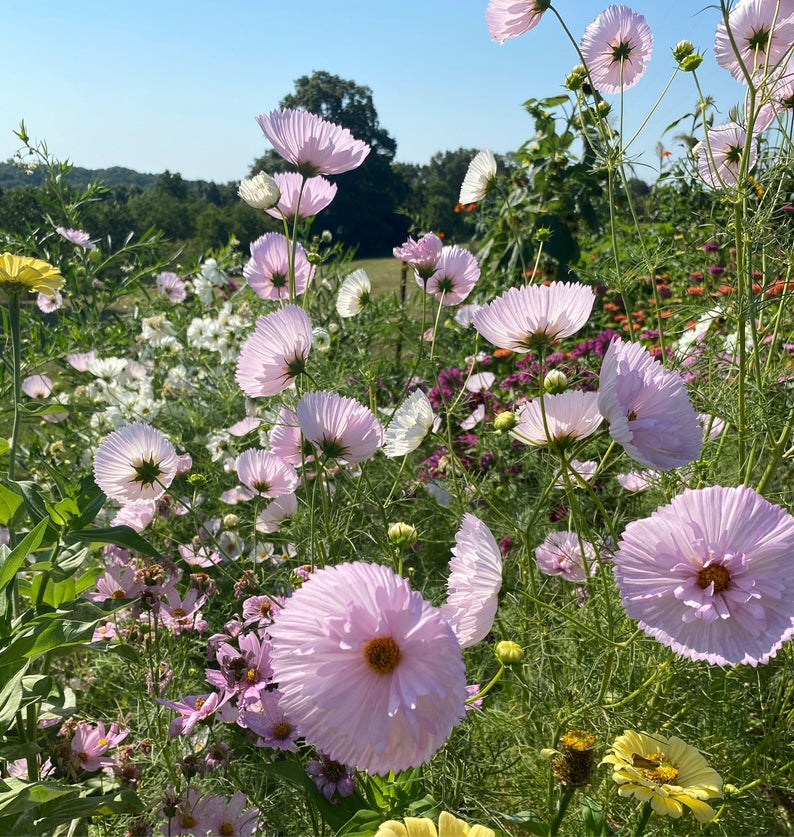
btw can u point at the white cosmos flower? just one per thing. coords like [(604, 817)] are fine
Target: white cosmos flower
[(107, 368), (412, 421), (478, 179), (353, 294), (260, 191)]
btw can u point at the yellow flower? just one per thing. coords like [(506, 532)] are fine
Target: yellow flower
[(448, 826), (33, 275), (665, 771)]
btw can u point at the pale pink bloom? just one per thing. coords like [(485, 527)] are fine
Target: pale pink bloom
[(464, 316), (268, 719), (584, 470), (244, 671), (777, 99), (522, 317), (648, 408), (104, 632), (91, 743), (635, 481), (80, 360), (370, 671), (267, 271), (411, 422), (313, 145), (266, 474), (137, 515), (712, 426), (116, 582), (286, 440), (763, 31), (244, 426), (184, 462), (475, 579), (455, 275), (342, 428), (37, 386), (564, 554), (199, 556), (260, 609), (474, 419), (271, 517), (232, 818), (710, 576), (511, 18), (480, 382), (317, 195), (182, 614), (616, 47), (77, 237), (719, 156), (48, 304), (422, 255), (569, 415), (135, 462), (170, 285), (275, 354), (192, 709), (479, 177)]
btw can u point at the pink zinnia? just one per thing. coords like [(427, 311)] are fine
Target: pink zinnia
[(719, 156), (648, 408), (475, 579), (275, 354), (370, 671), (564, 554), (511, 18), (616, 46), (266, 474), (267, 271), (312, 144), (710, 575), (567, 416), (524, 317), (456, 274), (314, 194), (135, 462), (342, 428), (422, 255)]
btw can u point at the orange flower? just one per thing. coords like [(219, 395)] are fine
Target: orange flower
[(458, 207), (441, 234), (667, 153), (501, 353), (666, 313), (695, 290), (726, 289), (756, 288)]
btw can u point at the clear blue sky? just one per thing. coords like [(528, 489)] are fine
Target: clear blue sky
[(176, 84)]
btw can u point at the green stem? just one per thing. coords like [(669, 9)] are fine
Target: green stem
[(562, 806), (16, 350), (639, 829)]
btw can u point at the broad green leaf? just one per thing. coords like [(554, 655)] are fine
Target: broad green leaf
[(9, 500), (118, 535), (16, 558), (11, 699)]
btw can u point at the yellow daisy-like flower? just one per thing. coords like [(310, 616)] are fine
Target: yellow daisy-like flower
[(665, 771), (33, 275), (448, 826)]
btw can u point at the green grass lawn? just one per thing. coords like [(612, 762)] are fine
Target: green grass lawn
[(384, 274)]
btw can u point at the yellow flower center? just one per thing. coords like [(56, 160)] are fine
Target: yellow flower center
[(282, 730), (578, 739), (656, 768), (382, 654), (716, 574), (226, 829)]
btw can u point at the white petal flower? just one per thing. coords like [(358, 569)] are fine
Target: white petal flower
[(353, 294), (260, 191), (412, 421), (479, 176)]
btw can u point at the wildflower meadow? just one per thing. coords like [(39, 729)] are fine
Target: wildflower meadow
[(506, 550)]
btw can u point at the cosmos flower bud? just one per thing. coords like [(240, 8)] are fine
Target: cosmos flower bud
[(509, 653), (576, 78), (260, 191), (691, 62), (505, 421), (555, 382), (231, 521), (682, 50), (197, 480), (402, 534)]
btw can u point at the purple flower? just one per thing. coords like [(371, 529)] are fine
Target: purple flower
[(77, 237), (170, 285), (616, 46), (267, 719), (564, 554), (422, 255), (192, 709), (456, 274), (511, 18), (371, 672), (648, 408), (314, 193), (709, 575), (313, 145), (331, 777), (267, 271)]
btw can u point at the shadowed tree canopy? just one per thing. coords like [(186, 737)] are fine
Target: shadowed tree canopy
[(364, 212)]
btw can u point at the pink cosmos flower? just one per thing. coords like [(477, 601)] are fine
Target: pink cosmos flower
[(244, 426), (342, 428), (267, 271), (719, 156), (135, 462), (192, 709), (637, 480), (199, 555), (709, 575), (137, 515), (581, 471), (456, 274), (275, 354), (370, 671), (763, 31), (267, 719), (278, 510), (170, 285), (37, 386), (569, 415), (80, 360), (534, 314), (422, 255), (217, 815), (104, 632), (317, 193), (286, 440), (777, 99), (183, 613), (511, 18), (563, 554), (475, 579), (77, 237), (648, 408), (91, 743), (47, 303), (616, 47), (266, 474), (331, 777), (312, 144)]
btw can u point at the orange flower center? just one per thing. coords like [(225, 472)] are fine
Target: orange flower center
[(382, 654), (716, 574)]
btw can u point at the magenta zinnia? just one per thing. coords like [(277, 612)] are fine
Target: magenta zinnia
[(370, 671), (313, 145), (709, 575), (267, 271)]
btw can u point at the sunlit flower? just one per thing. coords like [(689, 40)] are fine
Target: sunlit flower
[(48, 304), (578, 471), (559, 419), (456, 273), (637, 480), (666, 772), (354, 294), (314, 193), (422, 255), (26, 274), (475, 579), (135, 462), (260, 191), (171, 285), (648, 408), (566, 555), (616, 47), (312, 144), (511, 18), (411, 422), (37, 386), (91, 743), (370, 671), (523, 317), (267, 719), (708, 575), (342, 428), (217, 815), (271, 517), (448, 826), (77, 237), (763, 32), (267, 271), (266, 474), (719, 156), (275, 354), (479, 177), (137, 515)]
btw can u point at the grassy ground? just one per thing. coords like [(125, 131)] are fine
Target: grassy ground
[(384, 275)]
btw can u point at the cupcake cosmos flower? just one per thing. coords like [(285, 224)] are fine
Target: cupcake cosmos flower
[(511, 18), (666, 772), (302, 196), (267, 271), (564, 418), (21, 273)]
